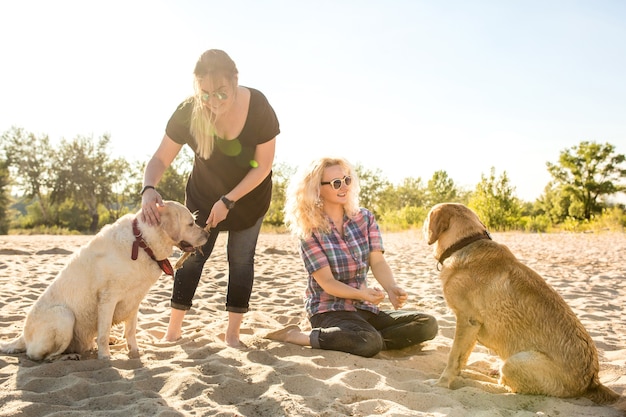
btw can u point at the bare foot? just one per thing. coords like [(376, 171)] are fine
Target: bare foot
[(174, 327), (237, 345), (171, 338), (233, 343), (283, 335)]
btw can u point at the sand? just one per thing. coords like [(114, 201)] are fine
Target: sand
[(200, 376)]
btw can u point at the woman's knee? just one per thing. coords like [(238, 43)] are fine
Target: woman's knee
[(241, 246), (357, 342), (369, 344), (429, 326), (241, 255)]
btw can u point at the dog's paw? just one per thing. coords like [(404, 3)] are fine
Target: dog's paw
[(15, 346), (104, 355), (114, 340), (11, 349), (431, 382), (447, 382), (440, 382), (71, 357), (134, 354)]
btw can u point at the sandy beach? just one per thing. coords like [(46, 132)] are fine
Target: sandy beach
[(200, 376)]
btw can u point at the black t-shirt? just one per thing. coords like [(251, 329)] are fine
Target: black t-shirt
[(228, 164)]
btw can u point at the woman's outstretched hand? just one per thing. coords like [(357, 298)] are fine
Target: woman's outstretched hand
[(397, 296)]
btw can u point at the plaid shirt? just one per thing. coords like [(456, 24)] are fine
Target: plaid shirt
[(348, 259)]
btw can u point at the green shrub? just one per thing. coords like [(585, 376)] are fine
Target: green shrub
[(536, 224), (406, 218)]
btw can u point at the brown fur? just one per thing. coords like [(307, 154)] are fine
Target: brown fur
[(510, 309)]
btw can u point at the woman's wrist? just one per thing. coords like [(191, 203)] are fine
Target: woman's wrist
[(230, 204), (147, 187)]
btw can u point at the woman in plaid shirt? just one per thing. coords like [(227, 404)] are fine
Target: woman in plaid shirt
[(339, 243)]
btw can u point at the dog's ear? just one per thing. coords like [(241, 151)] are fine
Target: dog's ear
[(438, 222), (170, 222)]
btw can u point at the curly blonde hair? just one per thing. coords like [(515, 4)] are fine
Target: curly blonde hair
[(215, 64), (304, 212)]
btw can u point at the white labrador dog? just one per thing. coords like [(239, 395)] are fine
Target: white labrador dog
[(103, 284)]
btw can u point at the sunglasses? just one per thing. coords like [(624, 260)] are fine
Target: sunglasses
[(218, 95), (336, 183)]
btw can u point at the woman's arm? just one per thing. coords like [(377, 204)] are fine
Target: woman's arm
[(264, 158), (160, 161), (324, 277), (382, 272)]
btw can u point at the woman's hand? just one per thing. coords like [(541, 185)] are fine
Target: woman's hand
[(150, 202), (219, 211), (397, 296), (150, 199), (373, 295)]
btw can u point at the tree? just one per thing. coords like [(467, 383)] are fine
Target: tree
[(124, 196), (494, 202), (31, 162), (172, 184), (174, 179), (86, 174), (4, 198), (553, 203), (281, 173), (589, 172), (410, 193), (372, 185), (441, 189)]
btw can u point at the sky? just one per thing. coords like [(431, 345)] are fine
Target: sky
[(407, 87)]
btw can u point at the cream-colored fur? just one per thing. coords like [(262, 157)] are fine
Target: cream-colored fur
[(510, 309), (101, 286)]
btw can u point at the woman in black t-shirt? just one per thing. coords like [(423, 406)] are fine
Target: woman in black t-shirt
[(232, 130)]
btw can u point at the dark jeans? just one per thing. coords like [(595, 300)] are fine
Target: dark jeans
[(240, 252), (364, 333)]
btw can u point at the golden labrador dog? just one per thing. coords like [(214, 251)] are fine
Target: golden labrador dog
[(103, 284), (507, 307)]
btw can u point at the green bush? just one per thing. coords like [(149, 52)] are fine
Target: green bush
[(406, 218), (45, 230), (535, 224), (612, 219)]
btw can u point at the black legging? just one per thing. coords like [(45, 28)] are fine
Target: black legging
[(364, 333)]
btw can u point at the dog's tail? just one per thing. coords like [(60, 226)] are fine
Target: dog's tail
[(620, 405), (601, 394), (17, 345)]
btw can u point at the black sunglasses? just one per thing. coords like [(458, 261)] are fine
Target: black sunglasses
[(336, 183)]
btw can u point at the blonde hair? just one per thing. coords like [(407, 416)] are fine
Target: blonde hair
[(304, 212), (217, 65)]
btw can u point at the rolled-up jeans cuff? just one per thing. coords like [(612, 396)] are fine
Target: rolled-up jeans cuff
[(314, 338), (236, 309), (177, 306)]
